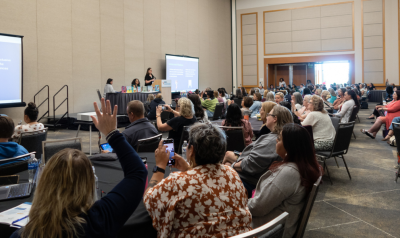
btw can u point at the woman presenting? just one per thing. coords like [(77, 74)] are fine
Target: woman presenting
[(149, 78)]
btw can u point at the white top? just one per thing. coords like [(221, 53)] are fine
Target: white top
[(345, 110), (108, 89), (298, 106), (322, 126), (27, 128), (282, 84)]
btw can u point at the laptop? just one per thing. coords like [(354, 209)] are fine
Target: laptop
[(15, 191)]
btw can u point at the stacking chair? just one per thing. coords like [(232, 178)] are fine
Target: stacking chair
[(336, 122), (51, 147), (234, 138), (32, 141), (16, 167), (149, 144), (307, 209), (340, 146), (218, 111), (353, 117), (396, 130), (273, 229), (184, 137)]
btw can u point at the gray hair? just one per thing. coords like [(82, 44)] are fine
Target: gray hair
[(270, 97), (209, 143), (298, 99), (332, 92), (307, 98)]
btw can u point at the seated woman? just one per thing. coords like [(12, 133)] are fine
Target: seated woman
[(318, 91), (389, 93), (346, 109), (220, 100), (234, 118), (199, 112), (297, 101), (392, 109), (30, 117), (258, 156), (154, 105), (135, 83), (64, 204), (270, 97), (255, 108), (266, 107), (333, 95), (146, 105), (176, 124), (205, 198), (264, 97), (247, 102), (210, 103), (340, 100), (325, 95), (279, 97), (286, 185), (108, 88), (9, 149), (303, 112), (289, 106), (323, 131), (306, 91)]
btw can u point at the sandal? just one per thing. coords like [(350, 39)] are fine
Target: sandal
[(367, 133)]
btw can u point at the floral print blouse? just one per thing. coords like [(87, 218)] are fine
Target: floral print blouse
[(27, 128), (206, 201)]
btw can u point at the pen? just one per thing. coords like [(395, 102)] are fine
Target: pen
[(19, 220)]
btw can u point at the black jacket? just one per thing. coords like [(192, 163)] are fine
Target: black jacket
[(153, 106), (139, 129)]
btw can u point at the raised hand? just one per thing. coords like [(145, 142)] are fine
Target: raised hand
[(106, 121)]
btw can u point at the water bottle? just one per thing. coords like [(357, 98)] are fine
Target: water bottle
[(32, 166), (184, 147), (96, 185)]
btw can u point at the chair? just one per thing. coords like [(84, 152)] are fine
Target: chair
[(396, 130), (32, 141), (10, 179), (184, 137), (218, 111), (336, 122), (148, 144), (99, 94), (274, 228), (16, 167), (238, 101), (307, 210), (340, 146), (353, 117), (234, 138), (51, 147)]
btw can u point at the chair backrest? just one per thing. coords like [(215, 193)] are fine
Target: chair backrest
[(307, 209), (272, 229), (15, 167), (234, 138), (218, 111), (396, 130), (10, 179), (99, 94), (354, 113), (335, 122), (148, 144), (32, 141), (343, 137), (184, 137), (51, 147), (238, 101), (309, 129)]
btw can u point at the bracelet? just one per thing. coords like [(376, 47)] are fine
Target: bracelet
[(113, 132)]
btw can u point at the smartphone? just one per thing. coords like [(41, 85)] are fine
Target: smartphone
[(106, 146), (236, 153), (169, 143)]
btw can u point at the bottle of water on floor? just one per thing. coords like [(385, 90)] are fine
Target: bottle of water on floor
[(184, 147), (32, 167), (96, 185)]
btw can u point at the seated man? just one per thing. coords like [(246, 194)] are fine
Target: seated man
[(209, 103), (9, 149), (140, 127)]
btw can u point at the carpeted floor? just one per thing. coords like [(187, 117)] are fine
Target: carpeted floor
[(365, 206)]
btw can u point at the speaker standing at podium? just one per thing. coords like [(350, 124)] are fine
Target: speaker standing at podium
[(149, 78)]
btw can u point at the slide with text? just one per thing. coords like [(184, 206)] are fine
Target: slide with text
[(183, 73)]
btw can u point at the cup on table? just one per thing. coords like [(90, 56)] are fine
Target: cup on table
[(246, 117)]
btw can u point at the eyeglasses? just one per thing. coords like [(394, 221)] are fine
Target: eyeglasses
[(269, 114)]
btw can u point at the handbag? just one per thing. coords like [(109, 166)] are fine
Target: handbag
[(392, 141)]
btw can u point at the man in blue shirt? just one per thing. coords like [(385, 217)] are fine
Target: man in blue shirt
[(9, 149)]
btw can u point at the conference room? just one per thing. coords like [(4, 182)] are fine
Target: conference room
[(199, 118)]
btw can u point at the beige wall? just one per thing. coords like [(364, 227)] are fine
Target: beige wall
[(391, 34), (82, 43)]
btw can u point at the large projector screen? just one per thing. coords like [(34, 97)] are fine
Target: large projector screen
[(10, 71), (183, 71)]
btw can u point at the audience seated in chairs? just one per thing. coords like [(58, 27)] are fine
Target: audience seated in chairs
[(333, 95), (255, 108), (146, 105), (30, 117), (247, 102), (340, 99), (64, 203), (258, 156), (303, 112), (175, 125), (234, 118), (200, 114), (346, 108), (270, 97), (154, 105), (220, 100), (289, 106), (266, 107), (297, 101), (393, 110), (325, 95), (323, 131), (9, 149), (140, 127), (205, 198), (286, 185), (279, 97), (209, 104)]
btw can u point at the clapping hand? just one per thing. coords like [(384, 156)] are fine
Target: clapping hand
[(106, 121)]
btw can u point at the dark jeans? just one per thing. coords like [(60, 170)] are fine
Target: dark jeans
[(249, 187)]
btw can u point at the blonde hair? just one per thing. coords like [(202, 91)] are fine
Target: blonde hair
[(159, 95), (283, 116), (270, 97), (266, 91), (150, 97), (65, 190), (318, 104), (216, 94), (318, 91), (280, 94), (186, 108), (325, 94), (267, 107)]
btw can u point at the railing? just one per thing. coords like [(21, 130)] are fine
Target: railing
[(47, 99), (54, 106)]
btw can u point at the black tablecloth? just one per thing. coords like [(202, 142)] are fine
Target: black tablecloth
[(110, 174), (122, 99), (376, 95), (255, 124)]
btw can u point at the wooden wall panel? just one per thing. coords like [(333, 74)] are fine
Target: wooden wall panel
[(249, 28)]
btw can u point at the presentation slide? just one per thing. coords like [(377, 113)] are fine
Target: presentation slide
[(183, 71), (10, 69)]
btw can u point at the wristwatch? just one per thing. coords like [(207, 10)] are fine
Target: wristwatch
[(158, 169)]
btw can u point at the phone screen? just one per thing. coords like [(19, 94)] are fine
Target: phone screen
[(170, 148), (106, 146)]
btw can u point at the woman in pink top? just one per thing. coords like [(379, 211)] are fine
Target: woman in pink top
[(234, 118)]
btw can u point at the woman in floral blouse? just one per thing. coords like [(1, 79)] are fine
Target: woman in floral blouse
[(206, 199)]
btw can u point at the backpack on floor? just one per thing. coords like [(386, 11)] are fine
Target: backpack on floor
[(392, 141), (364, 105)]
